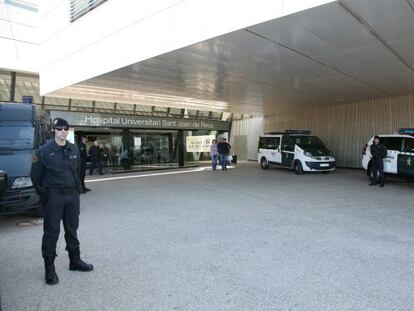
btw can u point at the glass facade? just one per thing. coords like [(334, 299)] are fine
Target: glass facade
[(125, 148), (140, 149), (143, 149)]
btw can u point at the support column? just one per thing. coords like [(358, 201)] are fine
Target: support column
[(13, 86), (180, 143), (126, 144)]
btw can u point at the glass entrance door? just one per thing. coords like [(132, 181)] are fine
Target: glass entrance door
[(110, 145), (151, 150)]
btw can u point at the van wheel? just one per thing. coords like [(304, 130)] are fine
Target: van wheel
[(263, 163), (298, 168)]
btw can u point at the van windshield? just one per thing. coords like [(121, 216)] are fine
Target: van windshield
[(308, 142), (16, 137)]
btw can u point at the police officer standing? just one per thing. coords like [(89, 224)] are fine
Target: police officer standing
[(83, 159), (379, 153), (55, 176)]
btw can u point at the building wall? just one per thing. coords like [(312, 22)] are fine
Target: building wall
[(121, 33), (19, 40), (244, 137), (346, 128)]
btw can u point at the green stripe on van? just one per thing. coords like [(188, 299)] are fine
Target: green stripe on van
[(406, 165)]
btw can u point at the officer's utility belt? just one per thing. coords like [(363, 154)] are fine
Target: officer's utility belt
[(70, 190)]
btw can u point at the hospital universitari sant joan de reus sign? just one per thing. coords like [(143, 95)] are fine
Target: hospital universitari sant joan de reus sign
[(123, 121)]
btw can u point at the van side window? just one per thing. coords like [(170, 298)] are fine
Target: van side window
[(408, 145), (287, 144), (269, 142), (263, 143), (273, 143), (392, 143)]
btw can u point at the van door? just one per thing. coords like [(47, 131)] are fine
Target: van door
[(406, 158), (288, 151), (393, 146), (275, 157), (263, 152)]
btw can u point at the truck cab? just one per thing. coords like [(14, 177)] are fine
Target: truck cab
[(23, 128)]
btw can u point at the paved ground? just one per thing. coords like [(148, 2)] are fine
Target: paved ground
[(245, 239)]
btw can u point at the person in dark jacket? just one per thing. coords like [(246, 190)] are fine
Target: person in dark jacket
[(55, 176), (83, 159), (379, 153), (223, 148), (96, 157)]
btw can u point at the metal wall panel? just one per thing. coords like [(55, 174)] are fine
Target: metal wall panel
[(346, 128), (252, 128)]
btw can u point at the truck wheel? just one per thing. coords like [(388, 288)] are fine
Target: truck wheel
[(298, 168), (263, 163)]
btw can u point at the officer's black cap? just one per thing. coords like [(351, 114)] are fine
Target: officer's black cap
[(59, 122)]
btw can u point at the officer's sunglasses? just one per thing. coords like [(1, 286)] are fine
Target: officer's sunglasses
[(61, 128)]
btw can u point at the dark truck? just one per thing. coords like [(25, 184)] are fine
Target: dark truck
[(23, 128)]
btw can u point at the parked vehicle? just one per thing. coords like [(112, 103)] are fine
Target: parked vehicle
[(23, 128), (295, 149), (400, 153)]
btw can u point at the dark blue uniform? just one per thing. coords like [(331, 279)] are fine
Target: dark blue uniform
[(55, 176), (379, 153), (83, 159)]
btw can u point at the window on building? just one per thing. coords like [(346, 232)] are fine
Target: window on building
[(5, 85), (78, 8)]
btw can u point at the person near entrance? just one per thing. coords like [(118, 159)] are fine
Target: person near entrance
[(379, 153), (96, 157), (55, 176), (213, 154), (223, 148), (83, 159)]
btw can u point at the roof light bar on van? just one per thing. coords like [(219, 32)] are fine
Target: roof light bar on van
[(406, 131), (290, 132), (304, 132)]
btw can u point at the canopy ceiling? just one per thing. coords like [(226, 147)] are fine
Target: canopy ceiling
[(339, 52)]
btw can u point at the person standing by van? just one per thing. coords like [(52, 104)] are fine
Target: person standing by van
[(95, 153), (83, 159), (223, 148), (379, 153), (55, 176), (213, 154)]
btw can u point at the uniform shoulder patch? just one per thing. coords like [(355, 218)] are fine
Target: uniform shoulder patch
[(34, 158)]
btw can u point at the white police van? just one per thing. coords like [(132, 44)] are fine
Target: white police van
[(295, 149), (400, 153)]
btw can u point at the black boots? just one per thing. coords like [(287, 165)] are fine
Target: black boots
[(77, 264), (50, 272)]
